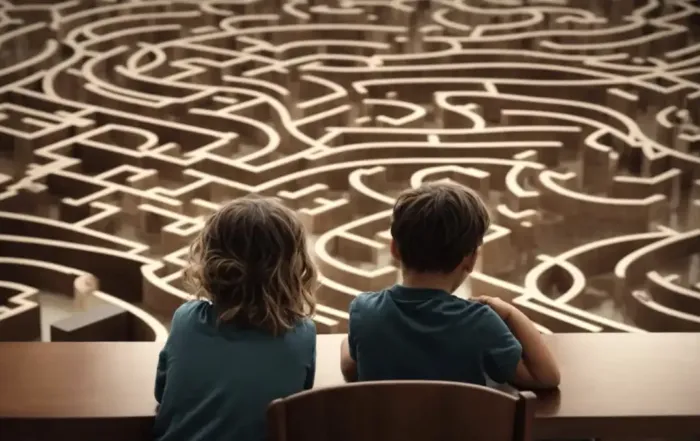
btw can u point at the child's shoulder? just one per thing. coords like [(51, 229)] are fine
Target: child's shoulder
[(475, 314), (191, 305), (306, 325), (470, 307), (191, 308), (367, 298)]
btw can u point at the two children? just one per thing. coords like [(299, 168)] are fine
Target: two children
[(250, 340)]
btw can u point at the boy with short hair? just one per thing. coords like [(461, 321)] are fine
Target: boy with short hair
[(418, 330)]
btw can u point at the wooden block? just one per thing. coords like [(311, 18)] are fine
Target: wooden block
[(102, 323)]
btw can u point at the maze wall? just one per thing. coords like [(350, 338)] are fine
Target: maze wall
[(123, 124)]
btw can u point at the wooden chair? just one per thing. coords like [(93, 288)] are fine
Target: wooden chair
[(402, 411)]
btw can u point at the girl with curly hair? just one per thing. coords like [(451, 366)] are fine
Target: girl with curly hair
[(248, 338)]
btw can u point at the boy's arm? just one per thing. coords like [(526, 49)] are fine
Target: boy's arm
[(348, 365), (537, 367)]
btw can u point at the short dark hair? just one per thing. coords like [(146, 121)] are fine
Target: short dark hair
[(436, 225), (251, 261)]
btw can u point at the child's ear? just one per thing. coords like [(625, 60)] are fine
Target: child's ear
[(394, 250), (470, 261)]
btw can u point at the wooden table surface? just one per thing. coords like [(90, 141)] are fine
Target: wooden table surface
[(613, 385)]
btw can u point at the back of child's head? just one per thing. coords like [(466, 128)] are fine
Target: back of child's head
[(251, 261), (437, 225)]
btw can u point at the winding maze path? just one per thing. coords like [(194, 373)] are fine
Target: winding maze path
[(123, 124)]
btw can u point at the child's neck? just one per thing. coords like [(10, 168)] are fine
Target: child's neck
[(428, 281)]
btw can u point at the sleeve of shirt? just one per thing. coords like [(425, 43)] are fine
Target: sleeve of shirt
[(160, 375), (353, 324), (162, 368), (311, 368), (503, 351)]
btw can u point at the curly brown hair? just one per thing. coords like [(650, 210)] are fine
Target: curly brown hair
[(251, 261)]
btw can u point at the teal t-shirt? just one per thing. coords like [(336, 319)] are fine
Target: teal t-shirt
[(215, 383), (424, 334)]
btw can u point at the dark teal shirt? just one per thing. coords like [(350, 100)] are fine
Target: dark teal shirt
[(422, 334), (215, 383)]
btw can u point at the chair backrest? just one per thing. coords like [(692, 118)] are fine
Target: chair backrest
[(402, 411)]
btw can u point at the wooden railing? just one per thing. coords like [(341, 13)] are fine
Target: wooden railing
[(637, 385)]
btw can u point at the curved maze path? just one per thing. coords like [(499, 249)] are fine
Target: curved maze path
[(124, 123)]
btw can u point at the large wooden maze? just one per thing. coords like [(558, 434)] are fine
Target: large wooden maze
[(123, 124)]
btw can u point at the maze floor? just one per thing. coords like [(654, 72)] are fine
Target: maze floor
[(123, 124)]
